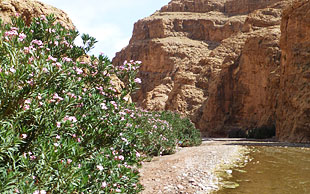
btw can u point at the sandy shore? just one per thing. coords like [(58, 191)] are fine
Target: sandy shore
[(191, 170)]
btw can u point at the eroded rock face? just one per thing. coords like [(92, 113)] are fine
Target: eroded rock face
[(29, 9), (216, 61), (244, 93), (293, 123)]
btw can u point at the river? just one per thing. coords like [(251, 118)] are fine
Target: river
[(272, 168)]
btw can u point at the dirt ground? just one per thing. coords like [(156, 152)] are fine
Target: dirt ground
[(191, 170)]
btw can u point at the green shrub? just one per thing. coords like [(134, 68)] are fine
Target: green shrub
[(183, 128), (64, 125), (165, 131)]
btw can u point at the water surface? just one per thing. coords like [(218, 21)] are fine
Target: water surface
[(272, 170)]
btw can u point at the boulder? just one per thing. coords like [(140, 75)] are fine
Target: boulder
[(29, 9)]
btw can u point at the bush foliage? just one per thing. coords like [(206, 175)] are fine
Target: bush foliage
[(65, 126)]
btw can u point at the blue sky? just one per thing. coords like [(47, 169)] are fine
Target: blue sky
[(109, 21)]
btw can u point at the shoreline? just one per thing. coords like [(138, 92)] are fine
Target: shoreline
[(192, 170)]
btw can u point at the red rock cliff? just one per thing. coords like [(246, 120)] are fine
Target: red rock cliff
[(293, 123), (216, 61)]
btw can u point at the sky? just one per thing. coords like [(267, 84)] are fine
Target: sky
[(109, 21)]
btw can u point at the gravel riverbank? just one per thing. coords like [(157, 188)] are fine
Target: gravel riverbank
[(191, 170)]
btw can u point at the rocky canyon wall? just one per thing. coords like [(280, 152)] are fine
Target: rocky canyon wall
[(216, 61), (219, 62), (293, 123)]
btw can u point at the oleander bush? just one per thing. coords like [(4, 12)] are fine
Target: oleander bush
[(184, 129), (65, 125)]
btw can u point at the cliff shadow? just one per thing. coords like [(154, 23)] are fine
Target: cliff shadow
[(256, 142)]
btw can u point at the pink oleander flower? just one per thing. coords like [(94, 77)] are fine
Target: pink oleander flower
[(50, 58), (69, 161), (138, 80), (70, 118), (45, 70), (33, 157), (58, 65), (99, 167), (103, 106), (12, 70), (43, 17), (28, 101), (57, 137), (30, 82), (24, 136), (30, 59), (57, 97), (104, 184), (11, 33), (58, 124), (65, 43), (21, 37), (79, 71), (39, 192), (37, 42), (26, 50), (119, 157), (67, 59), (26, 107)]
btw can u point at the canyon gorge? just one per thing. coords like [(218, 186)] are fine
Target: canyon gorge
[(230, 65)]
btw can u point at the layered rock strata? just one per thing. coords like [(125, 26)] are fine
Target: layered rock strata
[(216, 61), (196, 61), (293, 113)]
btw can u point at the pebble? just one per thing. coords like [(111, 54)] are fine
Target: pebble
[(193, 170)]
